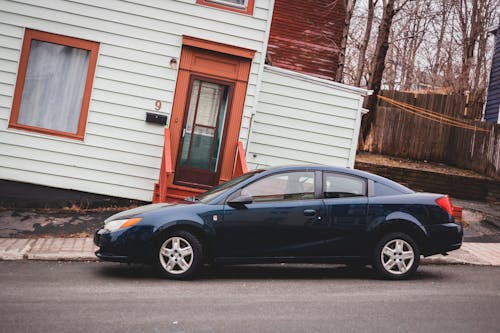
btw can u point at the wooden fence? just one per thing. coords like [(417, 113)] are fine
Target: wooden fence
[(400, 133), (455, 106)]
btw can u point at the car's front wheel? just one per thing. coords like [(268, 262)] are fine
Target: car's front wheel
[(179, 255), (396, 256)]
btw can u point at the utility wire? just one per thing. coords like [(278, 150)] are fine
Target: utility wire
[(431, 115)]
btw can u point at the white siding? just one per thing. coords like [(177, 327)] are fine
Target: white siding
[(121, 153), (302, 119)]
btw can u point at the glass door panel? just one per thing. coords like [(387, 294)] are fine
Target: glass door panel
[(202, 135)]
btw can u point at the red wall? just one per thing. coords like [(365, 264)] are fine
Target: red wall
[(305, 36)]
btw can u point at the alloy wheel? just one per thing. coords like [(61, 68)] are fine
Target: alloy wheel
[(397, 256), (176, 255)]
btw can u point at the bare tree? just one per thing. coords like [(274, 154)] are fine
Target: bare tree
[(440, 27), (485, 20), (364, 43), (439, 45), (420, 17), (378, 64), (349, 8), (468, 16)]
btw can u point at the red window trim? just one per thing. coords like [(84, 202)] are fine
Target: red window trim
[(248, 10), (29, 35)]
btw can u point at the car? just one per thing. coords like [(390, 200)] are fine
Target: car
[(292, 214)]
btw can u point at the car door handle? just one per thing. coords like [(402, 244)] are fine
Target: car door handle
[(309, 212)]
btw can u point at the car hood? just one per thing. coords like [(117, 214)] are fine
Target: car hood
[(135, 211)]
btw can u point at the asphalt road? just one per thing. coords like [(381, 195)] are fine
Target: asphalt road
[(107, 297)]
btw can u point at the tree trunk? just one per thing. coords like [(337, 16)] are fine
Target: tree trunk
[(366, 40), (378, 65), (349, 8), (439, 44), (469, 39)]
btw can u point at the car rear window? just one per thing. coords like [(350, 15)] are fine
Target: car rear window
[(382, 190)]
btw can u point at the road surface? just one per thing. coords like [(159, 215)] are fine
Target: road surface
[(51, 297)]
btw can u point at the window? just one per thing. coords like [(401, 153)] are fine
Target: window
[(283, 186), (342, 186), (384, 190), (240, 6), (53, 86)]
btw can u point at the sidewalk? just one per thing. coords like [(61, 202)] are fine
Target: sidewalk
[(47, 249), (83, 249)]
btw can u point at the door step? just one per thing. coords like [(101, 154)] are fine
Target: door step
[(175, 193)]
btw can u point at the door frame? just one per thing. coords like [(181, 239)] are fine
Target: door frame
[(206, 78), (221, 62)]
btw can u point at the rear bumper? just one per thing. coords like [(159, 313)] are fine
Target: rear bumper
[(444, 238)]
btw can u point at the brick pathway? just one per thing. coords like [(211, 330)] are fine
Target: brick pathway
[(47, 249), (14, 249)]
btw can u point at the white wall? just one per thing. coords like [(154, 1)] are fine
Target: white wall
[(302, 119), (121, 153)]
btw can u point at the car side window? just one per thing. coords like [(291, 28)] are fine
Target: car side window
[(384, 190), (336, 185), (282, 186)]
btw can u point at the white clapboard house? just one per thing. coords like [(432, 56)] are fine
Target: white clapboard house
[(157, 99)]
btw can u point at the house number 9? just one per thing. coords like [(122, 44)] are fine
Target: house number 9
[(158, 105)]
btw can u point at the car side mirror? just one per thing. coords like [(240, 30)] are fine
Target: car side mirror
[(240, 201)]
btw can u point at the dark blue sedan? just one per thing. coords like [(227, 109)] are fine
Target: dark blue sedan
[(306, 214)]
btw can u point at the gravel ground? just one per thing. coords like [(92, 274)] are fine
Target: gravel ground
[(38, 223)]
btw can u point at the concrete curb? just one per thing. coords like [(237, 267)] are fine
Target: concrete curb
[(14, 249), (462, 256), (48, 249), (62, 249), (83, 249)]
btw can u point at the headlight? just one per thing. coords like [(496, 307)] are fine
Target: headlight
[(120, 224)]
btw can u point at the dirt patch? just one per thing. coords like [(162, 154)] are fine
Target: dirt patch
[(482, 221), (51, 223), (416, 165)]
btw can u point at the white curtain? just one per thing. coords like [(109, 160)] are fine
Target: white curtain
[(54, 86)]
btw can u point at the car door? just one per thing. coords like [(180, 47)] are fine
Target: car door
[(284, 218), (346, 202)]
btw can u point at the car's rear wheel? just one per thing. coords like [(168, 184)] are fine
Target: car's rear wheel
[(179, 255), (396, 256)]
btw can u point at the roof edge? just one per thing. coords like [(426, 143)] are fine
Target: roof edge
[(313, 79)]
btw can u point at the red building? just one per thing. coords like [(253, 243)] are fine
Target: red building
[(305, 36)]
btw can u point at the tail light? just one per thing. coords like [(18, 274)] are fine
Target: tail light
[(445, 203)]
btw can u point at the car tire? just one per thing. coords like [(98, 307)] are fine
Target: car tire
[(396, 256), (179, 255)]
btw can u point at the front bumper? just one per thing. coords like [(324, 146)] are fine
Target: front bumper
[(134, 244)]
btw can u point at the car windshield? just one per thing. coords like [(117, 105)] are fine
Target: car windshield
[(219, 189)]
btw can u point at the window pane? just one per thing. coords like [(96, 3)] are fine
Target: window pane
[(235, 3), (384, 190), (342, 186), (54, 86), (201, 142), (283, 186), (208, 106)]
